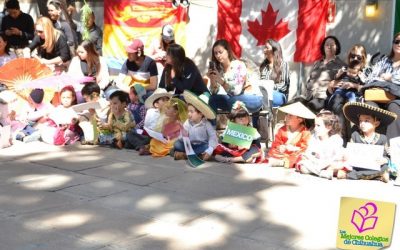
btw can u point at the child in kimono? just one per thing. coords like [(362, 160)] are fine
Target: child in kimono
[(291, 140)]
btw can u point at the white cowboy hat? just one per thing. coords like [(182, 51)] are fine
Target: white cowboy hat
[(199, 104), (158, 93)]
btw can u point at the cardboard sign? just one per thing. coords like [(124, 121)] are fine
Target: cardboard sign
[(240, 135), (365, 224), (364, 155)]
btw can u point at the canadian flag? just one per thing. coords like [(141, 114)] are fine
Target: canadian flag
[(298, 25)]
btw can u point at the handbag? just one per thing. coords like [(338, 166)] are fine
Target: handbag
[(378, 95)]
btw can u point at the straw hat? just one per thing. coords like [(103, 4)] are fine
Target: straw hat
[(352, 111), (158, 93), (199, 104), (298, 109)]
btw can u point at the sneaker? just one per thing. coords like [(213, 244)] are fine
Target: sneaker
[(385, 177), (179, 156)]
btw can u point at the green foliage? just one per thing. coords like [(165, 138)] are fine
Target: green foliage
[(86, 13)]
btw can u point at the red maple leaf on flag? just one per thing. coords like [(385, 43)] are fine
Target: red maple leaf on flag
[(268, 29)]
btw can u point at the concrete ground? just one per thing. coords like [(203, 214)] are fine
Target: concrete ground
[(88, 197)]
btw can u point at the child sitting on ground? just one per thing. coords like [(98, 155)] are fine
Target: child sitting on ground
[(202, 135), (36, 116), (62, 126), (154, 104), (119, 121), (171, 127), (368, 117), (291, 140), (324, 154), (231, 153), (90, 120)]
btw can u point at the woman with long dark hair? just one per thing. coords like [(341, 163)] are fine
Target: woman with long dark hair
[(274, 68), (180, 73), (89, 63), (228, 80)]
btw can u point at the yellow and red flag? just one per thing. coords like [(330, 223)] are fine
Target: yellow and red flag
[(125, 20)]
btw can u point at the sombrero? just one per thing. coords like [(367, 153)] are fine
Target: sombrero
[(199, 104), (158, 93), (298, 109), (352, 111)]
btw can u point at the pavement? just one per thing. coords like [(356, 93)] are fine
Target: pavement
[(90, 197)]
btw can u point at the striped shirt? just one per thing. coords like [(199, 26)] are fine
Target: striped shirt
[(385, 65), (281, 86)]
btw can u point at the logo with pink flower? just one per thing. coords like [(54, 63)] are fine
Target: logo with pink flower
[(364, 218)]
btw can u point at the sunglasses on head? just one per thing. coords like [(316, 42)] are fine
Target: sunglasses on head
[(397, 42), (354, 56)]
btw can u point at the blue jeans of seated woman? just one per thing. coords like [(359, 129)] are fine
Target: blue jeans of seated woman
[(278, 98), (224, 102), (198, 148)]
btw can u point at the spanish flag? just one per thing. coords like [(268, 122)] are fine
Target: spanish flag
[(125, 20)]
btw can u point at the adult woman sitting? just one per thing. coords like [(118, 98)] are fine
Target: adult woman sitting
[(180, 73), (51, 45), (63, 22), (347, 84), (5, 54), (322, 73), (89, 63), (228, 80), (274, 68), (159, 47), (386, 73), (138, 68)]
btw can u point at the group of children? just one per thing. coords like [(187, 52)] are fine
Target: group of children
[(156, 126)]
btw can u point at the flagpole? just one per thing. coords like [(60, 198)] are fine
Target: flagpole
[(299, 80)]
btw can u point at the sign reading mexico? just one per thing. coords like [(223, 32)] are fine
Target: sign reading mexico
[(240, 135), (365, 224)]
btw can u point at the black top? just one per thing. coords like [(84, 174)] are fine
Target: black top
[(96, 37), (85, 69), (60, 49), (191, 80), (23, 22), (66, 29), (148, 65)]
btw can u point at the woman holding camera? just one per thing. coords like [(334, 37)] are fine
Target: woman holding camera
[(228, 80), (180, 73)]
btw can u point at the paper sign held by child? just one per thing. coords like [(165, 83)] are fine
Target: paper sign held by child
[(240, 135), (86, 106), (364, 155)]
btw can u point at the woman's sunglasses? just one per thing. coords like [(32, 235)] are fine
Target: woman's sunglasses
[(354, 56), (397, 42)]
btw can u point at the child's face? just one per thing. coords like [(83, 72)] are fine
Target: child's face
[(161, 102), (67, 99), (293, 121), (194, 115), (116, 105), (320, 128), (367, 123), (91, 98), (133, 97), (171, 112), (245, 121)]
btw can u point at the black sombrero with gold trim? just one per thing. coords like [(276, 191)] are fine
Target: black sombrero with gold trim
[(352, 111)]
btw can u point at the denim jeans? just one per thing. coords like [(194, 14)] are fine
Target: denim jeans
[(278, 99), (198, 148), (349, 94), (224, 102)]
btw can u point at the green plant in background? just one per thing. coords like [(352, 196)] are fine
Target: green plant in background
[(86, 12)]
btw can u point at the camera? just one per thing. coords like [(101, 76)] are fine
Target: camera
[(212, 65)]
